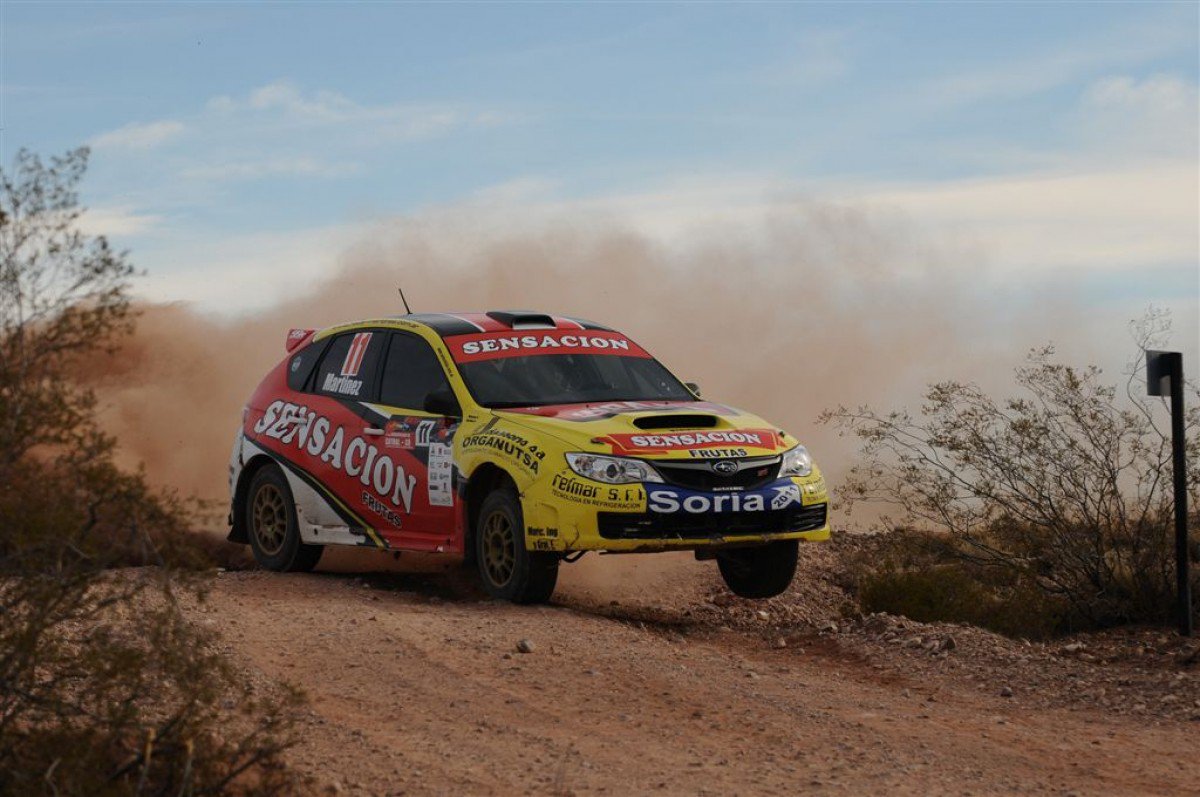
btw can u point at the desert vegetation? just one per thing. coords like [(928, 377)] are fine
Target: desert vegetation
[(1046, 512), (105, 686)]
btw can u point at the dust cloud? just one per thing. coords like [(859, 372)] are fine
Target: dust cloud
[(802, 308)]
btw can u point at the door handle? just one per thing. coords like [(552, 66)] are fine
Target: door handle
[(372, 431)]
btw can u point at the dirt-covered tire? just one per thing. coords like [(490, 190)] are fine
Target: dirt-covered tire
[(509, 571), (760, 572), (271, 524)]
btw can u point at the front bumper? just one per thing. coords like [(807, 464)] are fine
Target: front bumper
[(573, 514), (652, 526)]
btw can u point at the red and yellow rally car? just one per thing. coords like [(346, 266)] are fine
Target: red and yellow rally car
[(519, 440)]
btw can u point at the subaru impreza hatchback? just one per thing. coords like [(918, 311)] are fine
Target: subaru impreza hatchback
[(518, 440)]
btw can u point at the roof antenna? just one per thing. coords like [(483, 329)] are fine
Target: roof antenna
[(406, 310)]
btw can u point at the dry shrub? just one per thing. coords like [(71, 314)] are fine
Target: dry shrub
[(106, 688), (1052, 509), (920, 575)]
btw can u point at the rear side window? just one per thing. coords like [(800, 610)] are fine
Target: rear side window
[(349, 365), (411, 373), (300, 367)]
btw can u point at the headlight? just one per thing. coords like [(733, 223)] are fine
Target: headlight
[(796, 462), (612, 470)]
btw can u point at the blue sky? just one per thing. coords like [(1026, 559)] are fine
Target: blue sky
[(1060, 139)]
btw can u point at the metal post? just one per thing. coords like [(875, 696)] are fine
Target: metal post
[(1168, 366), (1184, 583)]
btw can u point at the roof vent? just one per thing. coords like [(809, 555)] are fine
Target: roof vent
[(523, 319)]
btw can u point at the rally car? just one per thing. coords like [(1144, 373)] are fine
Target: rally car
[(518, 440)]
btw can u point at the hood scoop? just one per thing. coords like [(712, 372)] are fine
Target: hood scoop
[(676, 420)]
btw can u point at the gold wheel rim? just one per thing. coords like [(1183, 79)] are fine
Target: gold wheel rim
[(270, 519), (499, 548)]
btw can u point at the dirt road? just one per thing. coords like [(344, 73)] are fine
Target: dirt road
[(418, 689)]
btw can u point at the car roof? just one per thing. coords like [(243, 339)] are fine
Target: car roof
[(450, 324)]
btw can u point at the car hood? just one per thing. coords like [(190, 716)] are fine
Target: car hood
[(655, 429)]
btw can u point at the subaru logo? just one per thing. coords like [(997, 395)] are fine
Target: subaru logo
[(725, 467)]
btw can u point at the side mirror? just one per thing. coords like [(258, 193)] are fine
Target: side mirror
[(443, 402), (692, 386)]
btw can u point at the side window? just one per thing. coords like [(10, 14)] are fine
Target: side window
[(349, 365), (410, 373), (300, 367)]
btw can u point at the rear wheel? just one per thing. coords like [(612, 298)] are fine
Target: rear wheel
[(272, 527), (761, 572), (506, 568)]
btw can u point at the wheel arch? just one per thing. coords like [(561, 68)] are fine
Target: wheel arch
[(238, 531), (487, 477)]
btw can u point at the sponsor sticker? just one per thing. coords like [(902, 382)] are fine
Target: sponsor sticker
[(399, 434), (314, 434), (508, 445), (381, 509), (671, 500), (497, 345), (441, 463), (716, 453), (414, 432), (567, 486), (739, 439)]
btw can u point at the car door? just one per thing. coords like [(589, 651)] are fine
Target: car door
[(420, 439), (335, 443)]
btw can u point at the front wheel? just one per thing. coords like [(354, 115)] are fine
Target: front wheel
[(507, 570), (761, 572)]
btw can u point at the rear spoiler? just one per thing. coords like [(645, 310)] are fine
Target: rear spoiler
[(295, 337)]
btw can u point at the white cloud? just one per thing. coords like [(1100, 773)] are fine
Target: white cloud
[(138, 135), (523, 190), (116, 221), (1159, 114), (318, 106), (282, 130), (272, 167), (284, 103), (1024, 74), (327, 133), (1157, 94)]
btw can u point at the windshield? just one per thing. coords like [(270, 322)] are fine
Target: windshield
[(557, 367)]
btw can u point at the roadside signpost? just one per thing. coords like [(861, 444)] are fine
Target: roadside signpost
[(1164, 377)]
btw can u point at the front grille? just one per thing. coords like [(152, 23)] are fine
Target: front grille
[(697, 474), (656, 526)]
